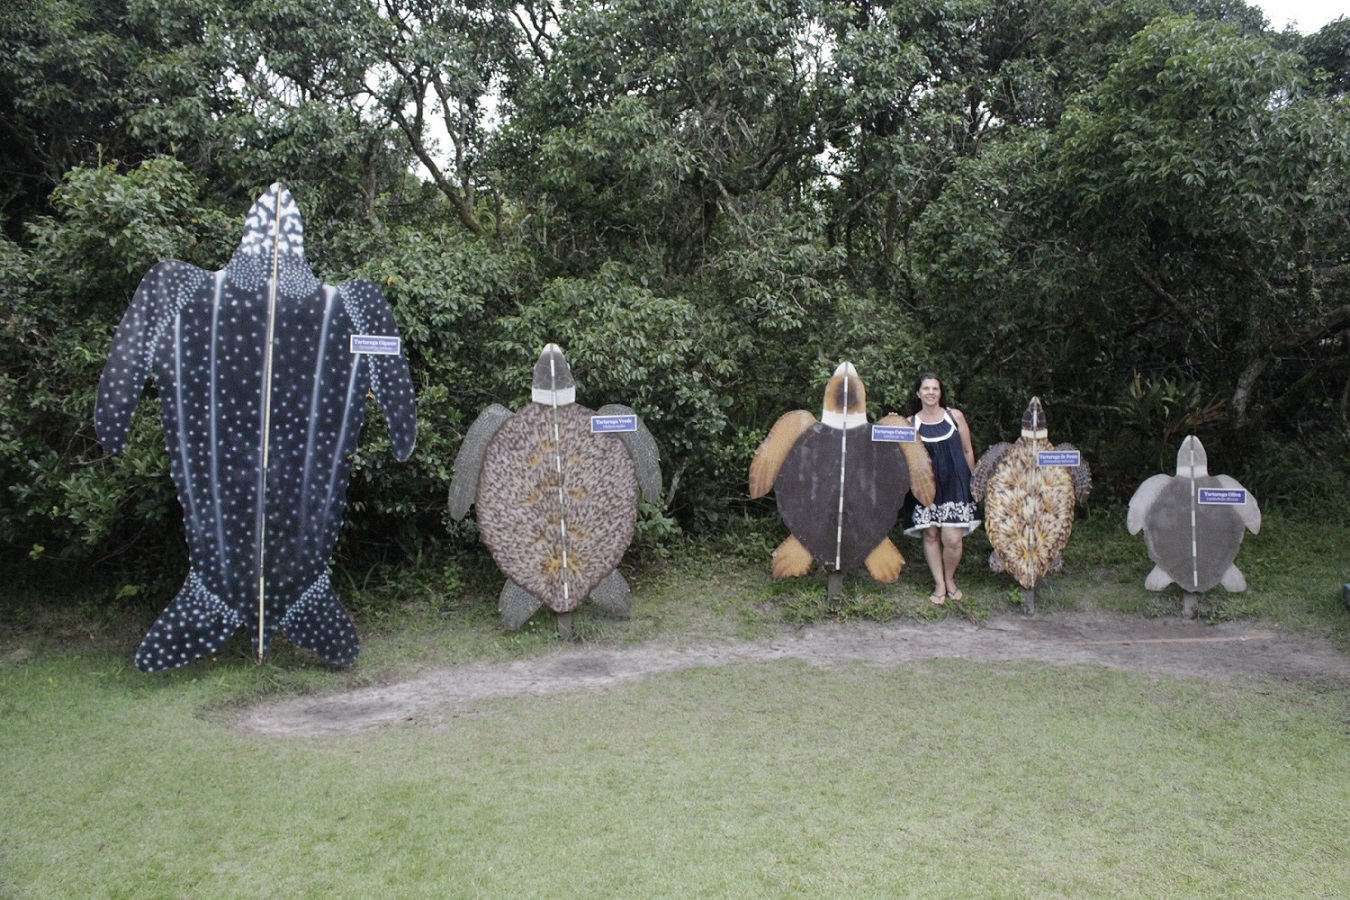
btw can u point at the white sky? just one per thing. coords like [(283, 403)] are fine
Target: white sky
[(1307, 15)]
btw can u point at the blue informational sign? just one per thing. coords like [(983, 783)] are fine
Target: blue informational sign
[(379, 344), (612, 424), (894, 434), (1059, 458), (1223, 497)]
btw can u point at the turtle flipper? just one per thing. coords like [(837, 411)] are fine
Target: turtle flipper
[(1233, 580), (390, 378), (1081, 474), (984, 469), (920, 464), (642, 447), (1157, 579), (769, 457), (197, 623), (160, 295), (516, 605), (318, 622), (1142, 501), (1250, 511), (469, 460), (612, 594), (791, 559), (885, 562)]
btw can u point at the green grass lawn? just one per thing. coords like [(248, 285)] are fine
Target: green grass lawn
[(952, 778)]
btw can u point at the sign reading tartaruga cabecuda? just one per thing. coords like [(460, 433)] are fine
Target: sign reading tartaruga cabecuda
[(895, 434)]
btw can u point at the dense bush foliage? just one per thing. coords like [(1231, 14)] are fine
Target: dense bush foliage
[(1138, 215)]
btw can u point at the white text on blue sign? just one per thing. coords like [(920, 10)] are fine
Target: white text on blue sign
[(894, 434), (1058, 458), (611, 424), (379, 344), (1223, 497)]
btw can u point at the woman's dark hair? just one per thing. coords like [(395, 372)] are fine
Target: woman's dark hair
[(915, 404)]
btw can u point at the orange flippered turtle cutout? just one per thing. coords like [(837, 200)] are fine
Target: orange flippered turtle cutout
[(838, 491)]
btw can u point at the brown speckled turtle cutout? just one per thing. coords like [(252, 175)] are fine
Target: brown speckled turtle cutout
[(1028, 507), (556, 486), (557, 511)]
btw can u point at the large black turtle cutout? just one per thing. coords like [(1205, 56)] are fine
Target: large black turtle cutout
[(263, 375)]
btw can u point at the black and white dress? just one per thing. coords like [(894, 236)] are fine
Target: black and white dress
[(953, 506)]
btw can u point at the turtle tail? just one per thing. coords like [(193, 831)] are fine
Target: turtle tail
[(318, 622)]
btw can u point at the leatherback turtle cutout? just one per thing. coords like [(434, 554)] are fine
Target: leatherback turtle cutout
[(261, 395), (556, 501), (839, 491), (1193, 543), (1028, 507)]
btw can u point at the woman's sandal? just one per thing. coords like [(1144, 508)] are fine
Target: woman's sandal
[(936, 599), (957, 595)]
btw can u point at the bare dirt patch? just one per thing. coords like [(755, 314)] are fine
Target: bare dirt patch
[(1160, 646)]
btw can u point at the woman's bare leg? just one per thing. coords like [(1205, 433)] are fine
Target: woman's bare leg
[(932, 551), (951, 557)]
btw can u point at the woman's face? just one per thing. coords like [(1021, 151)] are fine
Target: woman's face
[(930, 391)]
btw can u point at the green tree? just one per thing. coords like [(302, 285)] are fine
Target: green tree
[(63, 295), (1180, 225)]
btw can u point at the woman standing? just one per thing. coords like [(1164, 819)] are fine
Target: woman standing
[(951, 517)]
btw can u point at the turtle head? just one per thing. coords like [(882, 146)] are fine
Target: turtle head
[(1191, 459), (1033, 420), (845, 399), (273, 244), (553, 384)]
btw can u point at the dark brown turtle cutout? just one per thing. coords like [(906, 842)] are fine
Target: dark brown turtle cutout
[(838, 491)]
